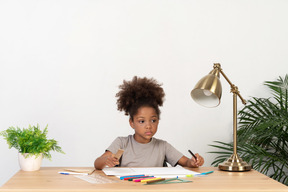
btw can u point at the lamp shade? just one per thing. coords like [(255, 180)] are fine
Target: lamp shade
[(207, 92)]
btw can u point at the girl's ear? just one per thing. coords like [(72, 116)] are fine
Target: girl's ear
[(131, 123)]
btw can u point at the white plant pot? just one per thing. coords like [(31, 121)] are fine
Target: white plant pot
[(30, 163)]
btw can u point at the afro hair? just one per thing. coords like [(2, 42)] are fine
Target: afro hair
[(139, 92)]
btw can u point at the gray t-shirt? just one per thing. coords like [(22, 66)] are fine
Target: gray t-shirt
[(153, 154)]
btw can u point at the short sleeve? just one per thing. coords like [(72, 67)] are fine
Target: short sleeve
[(172, 155), (115, 145)]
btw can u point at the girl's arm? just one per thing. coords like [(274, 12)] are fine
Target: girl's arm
[(106, 159), (186, 162)]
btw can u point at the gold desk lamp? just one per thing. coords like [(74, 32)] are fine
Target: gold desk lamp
[(207, 92)]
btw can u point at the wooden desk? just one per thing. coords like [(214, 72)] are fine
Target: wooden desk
[(48, 179)]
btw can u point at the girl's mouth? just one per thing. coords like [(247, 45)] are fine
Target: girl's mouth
[(148, 133)]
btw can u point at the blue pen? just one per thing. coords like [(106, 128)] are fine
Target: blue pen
[(72, 173), (64, 173)]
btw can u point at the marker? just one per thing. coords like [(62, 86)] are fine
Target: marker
[(72, 173), (205, 173), (122, 177), (130, 178), (192, 154), (139, 180), (133, 178), (199, 174), (146, 180), (154, 181)]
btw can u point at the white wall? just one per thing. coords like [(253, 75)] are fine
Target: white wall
[(62, 61)]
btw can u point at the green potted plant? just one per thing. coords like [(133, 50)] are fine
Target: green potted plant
[(263, 133), (32, 145)]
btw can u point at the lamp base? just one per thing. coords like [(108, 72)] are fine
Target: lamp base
[(234, 163)]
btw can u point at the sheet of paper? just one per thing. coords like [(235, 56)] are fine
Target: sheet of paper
[(96, 179), (118, 171), (155, 171), (88, 171)]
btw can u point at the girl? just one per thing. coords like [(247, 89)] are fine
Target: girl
[(140, 98)]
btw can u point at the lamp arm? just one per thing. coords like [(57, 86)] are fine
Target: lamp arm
[(234, 89)]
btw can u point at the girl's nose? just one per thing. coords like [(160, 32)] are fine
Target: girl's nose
[(148, 126)]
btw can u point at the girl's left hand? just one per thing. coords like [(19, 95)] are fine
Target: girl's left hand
[(197, 162)]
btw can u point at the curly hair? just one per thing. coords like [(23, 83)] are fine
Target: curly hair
[(139, 92)]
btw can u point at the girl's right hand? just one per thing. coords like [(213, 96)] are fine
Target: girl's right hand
[(107, 159), (111, 161)]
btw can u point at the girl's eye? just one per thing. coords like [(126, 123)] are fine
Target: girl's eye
[(154, 120), (142, 121)]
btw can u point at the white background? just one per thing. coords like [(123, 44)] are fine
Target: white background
[(61, 63)]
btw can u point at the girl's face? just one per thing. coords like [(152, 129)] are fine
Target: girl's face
[(145, 124)]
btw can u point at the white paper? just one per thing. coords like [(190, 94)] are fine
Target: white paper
[(155, 171), (118, 171)]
